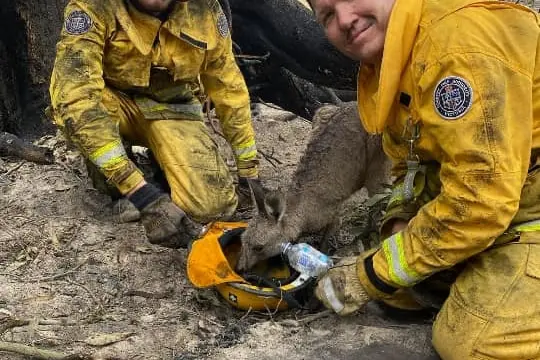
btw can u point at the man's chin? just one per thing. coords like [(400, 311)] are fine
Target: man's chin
[(365, 55), (354, 54), (156, 9), (153, 8)]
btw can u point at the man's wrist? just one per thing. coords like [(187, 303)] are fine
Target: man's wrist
[(248, 173), (243, 182), (144, 195), (136, 187)]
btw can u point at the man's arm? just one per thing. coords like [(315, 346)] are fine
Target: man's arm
[(484, 153), (227, 89), (77, 88)]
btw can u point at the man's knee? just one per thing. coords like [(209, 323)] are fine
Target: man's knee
[(212, 204), (488, 314), (198, 177), (455, 331)]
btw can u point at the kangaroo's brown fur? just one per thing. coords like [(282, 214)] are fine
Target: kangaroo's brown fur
[(340, 159)]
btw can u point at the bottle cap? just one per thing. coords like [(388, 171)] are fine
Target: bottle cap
[(285, 246)]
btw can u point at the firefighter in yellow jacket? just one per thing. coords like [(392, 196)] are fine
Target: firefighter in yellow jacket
[(454, 87), (135, 70)]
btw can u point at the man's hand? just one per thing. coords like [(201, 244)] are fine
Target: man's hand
[(167, 225), (399, 225), (340, 289), (164, 222)]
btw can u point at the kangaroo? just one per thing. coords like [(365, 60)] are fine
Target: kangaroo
[(340, 159)]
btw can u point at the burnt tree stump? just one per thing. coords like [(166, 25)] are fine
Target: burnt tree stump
[(30, 30)]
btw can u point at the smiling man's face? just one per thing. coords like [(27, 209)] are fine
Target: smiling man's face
[(355, 27)]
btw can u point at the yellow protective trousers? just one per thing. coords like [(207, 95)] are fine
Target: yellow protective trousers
[(493, 311), (199, 179)]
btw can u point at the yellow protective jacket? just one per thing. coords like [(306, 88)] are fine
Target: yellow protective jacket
[(468, 74), (110, 43)]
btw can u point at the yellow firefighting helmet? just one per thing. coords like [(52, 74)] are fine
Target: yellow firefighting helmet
[(271, 285)]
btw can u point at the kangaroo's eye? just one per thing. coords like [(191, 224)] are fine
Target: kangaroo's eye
[(258, 248)]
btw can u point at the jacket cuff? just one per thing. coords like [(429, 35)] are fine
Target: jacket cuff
[(376, 287), (248, 169), (130, 181)]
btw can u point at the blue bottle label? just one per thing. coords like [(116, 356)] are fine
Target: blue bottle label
[(304, 260)]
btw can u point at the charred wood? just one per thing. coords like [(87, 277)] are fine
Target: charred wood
[(13, 146)]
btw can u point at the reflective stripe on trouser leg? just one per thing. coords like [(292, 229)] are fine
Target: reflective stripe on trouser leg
[(398, 269)]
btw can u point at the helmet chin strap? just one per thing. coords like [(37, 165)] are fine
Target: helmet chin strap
[(289, 299)]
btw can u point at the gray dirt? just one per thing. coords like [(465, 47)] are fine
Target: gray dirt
[(72, 275)]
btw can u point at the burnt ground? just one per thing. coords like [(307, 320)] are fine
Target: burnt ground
[(73, 280)]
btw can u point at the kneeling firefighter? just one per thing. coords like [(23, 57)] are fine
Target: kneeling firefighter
[(135, 70), (454, 88)]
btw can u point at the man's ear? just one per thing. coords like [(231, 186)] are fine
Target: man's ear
[(275, 206)]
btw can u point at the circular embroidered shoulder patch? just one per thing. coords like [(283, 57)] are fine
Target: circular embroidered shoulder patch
[(223, 24), (452, 97), (78, 22)]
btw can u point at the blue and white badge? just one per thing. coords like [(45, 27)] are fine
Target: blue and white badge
[(223, 24), (78, 22), (453, 97)]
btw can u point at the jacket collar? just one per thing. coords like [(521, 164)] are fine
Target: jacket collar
[(185, 18), (191, 21), (141, 28), (379, 85)]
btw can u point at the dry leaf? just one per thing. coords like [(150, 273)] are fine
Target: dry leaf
[(143, 249), (62, 187), (53, 236), (107, 339), (15, 265)]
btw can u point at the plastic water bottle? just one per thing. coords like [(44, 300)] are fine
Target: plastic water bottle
[(306, 259)]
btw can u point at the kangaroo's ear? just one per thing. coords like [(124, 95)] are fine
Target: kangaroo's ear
[(259, 194), (275, 206)]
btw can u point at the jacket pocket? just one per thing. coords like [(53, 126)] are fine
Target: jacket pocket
[(123, 65), (188, 58)]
